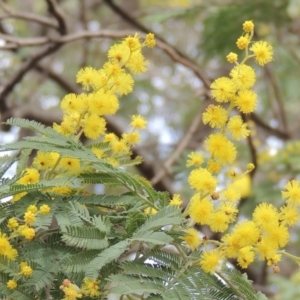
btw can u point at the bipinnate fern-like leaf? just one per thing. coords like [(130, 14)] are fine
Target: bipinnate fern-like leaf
[(84, 237), (124, 285), (126, 199), (108, 255)]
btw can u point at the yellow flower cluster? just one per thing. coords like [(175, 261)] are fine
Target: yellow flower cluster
[(84, 114), (90, 288), (267, 232)]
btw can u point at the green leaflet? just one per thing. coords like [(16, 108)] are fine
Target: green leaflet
[(106, 256)]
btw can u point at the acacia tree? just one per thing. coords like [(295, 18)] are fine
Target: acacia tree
[(130, 210)]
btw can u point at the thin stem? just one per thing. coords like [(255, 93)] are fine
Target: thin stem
[(54, 167), (291, 256)]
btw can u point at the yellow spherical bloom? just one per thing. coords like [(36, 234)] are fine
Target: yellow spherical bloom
[(69, 164), (221, 148), (223, 89), (243, 76), (215, 116), (90, 287), (98, 152), (242, 42), (246, 256), (31, 176), (243, 186), (176, 200), (121, 84), (200, 210), (232, 245), (102, 103), (11, 284), (248, 26), (131, 138), (27, 232), (137, 63), (110, 70), (45, 209), (274, 259), (60, 190), (150, 41), (232, 57), (266, 215), (195, 159), (229, 209), (213, 166), (150, 211), (218, 221), (119, 54), (247, 232), (32, 208), (266, 249), (94, 126), (292, 192), (67, 127), (72, 103), (29, 217), (18, 196), (192, 238), (4, 244), (237, 128), (86, 77), (250, 167), (278, 234), (138, 121), (11, 253), (289, 215), (231, 193), (133, 42), (246, 101), (12, 224), (210, 260), (119, 146), (25, 269), (43, 160), (202, 181), (263, 52)]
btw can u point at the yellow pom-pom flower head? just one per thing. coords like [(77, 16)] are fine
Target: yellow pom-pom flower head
[(263, 52), (223, 89), (243, 76), (192, 238)]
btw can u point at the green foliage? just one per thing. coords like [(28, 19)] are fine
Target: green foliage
[(89, 235), (218, 38)]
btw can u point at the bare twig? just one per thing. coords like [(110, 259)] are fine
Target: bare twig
[(58, 14), (26, 66), (186, 61), (179, 148), (10, 13), (278, 97), (259, 122)]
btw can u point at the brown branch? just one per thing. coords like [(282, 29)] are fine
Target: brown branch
[(57, 13), (179, 148), (10, 13), (259, 122), (25, 67), (278, 97), (182, 58)]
